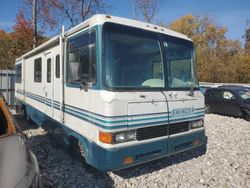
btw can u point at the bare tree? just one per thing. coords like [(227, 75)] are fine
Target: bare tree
[(34, 22), (77, 11), (40, 15), (148, 8)]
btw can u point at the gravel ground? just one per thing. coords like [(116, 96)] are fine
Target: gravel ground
[(225, 162)]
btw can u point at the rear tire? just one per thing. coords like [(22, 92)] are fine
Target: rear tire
[(246, 116)]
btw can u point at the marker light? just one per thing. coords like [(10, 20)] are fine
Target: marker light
[(128, 160), (105, 137), (196, 142)]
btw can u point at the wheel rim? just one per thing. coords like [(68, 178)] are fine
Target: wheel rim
[(81, 150), (207, 109)]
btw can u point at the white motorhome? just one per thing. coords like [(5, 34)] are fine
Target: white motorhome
[(119, 92)]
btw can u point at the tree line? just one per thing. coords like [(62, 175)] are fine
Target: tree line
[(218, 58)]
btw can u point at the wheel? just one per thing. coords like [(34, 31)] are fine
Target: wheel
[(81, 151), (77, 150), (207, 109), (246, 116)]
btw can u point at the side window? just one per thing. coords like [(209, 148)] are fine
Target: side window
[(18, 73), (38, 70), (217, 94), (58, 66), (227, 95), (81, 56), (49, 70)]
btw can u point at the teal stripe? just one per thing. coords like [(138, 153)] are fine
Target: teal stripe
[(164, 122), (79, 113)]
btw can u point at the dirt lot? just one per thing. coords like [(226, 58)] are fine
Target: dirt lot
[(226, 162)]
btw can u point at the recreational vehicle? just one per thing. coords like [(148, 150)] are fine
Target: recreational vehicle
[(116, 91)]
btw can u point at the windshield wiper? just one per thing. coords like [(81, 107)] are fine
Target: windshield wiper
[(191, 91)]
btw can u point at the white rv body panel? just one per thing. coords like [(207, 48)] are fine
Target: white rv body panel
[(85, 112)]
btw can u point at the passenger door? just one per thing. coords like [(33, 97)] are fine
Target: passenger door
[(48, 86), (215, 102)]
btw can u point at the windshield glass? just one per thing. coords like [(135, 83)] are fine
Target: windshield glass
[(180, 63), (134, 60), (244, 94)]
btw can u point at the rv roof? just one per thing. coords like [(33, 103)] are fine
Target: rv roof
[(100, 19)]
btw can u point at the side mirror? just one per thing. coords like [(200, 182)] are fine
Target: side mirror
[(233, 98)]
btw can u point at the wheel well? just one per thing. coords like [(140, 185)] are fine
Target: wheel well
[(72, 140), (73, 146), (244, 110)]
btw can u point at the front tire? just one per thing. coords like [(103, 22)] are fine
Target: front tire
[(246, 116), (77, 150)]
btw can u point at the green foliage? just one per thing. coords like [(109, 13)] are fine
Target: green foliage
[(5, 48), (16, 43)]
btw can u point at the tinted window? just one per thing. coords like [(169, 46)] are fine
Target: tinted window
[(132, 58), (227, 95), (81, 64), (19, 73), (217, 94), (49, 70), (57, 66), (38, 70), (180, 63), (244, 94)]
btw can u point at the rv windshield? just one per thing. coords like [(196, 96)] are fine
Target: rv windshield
[(134, 60), (180, 63)]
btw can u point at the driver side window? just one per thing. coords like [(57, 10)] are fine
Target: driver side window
[(227, 95), (81, 56)]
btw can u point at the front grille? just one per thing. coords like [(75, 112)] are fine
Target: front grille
[(178, 128), (161, 130), (152, 132)]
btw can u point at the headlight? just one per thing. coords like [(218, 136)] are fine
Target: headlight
[(113, 138), (196, 124), (125, 137)]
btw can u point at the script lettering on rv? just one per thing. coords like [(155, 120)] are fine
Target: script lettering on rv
[(182, 111)]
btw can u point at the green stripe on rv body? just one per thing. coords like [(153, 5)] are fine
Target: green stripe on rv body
[(101, 122)]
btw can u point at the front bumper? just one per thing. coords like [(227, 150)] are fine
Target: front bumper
[(113, 159)]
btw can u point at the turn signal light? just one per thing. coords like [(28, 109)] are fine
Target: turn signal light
[(105, 137)]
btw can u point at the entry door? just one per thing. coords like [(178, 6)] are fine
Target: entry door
[(48, 91)]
